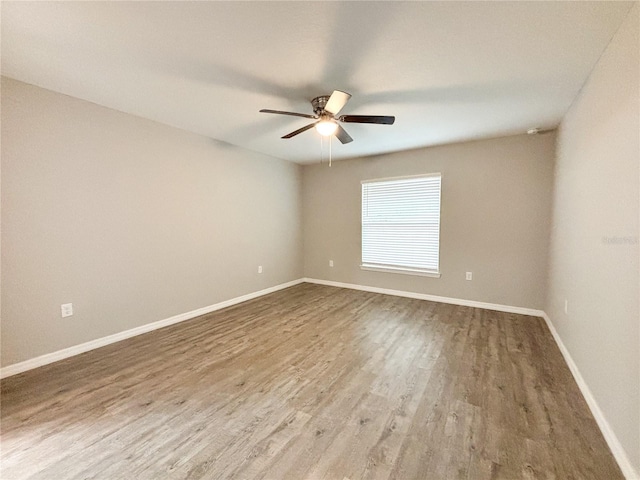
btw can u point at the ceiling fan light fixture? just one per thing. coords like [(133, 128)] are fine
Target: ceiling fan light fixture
[(326, 127), (326, 109)]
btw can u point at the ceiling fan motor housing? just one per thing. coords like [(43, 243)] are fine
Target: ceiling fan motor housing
[(319, 103)]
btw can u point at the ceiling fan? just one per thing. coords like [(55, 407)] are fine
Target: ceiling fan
[(326, 109)]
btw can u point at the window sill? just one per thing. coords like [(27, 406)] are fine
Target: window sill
[(403, 271)]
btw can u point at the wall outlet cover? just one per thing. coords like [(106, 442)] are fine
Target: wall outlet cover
[(66, 309)]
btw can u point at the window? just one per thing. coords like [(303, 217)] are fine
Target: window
[(401, 225)]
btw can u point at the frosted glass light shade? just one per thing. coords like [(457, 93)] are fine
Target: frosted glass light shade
[(326, 127)]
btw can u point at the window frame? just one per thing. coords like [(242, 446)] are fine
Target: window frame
[(404, 270)]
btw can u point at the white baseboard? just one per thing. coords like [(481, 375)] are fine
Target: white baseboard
[(116, 337), (432, 298), (612, 440)]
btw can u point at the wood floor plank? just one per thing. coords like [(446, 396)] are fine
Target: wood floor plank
[(311, 382)]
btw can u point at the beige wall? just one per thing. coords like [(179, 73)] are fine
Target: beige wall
[(496, 201), (594, 243), (130, 220)]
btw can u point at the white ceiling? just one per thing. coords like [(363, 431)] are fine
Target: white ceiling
[(448, 71)]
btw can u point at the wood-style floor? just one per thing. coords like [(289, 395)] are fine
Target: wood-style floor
[(311, 382)]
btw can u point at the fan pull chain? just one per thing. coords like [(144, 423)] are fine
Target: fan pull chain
[(330, 150), (321, 148)]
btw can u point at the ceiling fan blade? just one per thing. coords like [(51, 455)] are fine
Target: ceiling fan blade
[(342, 135), (294, 114), (336, 101), (379, 119), (300, 130)]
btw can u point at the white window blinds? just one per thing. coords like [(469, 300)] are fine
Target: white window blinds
[(401, 224)]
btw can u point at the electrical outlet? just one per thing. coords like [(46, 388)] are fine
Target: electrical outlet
[(259, 268), (469, 276), (66, 310), (331, 263)]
